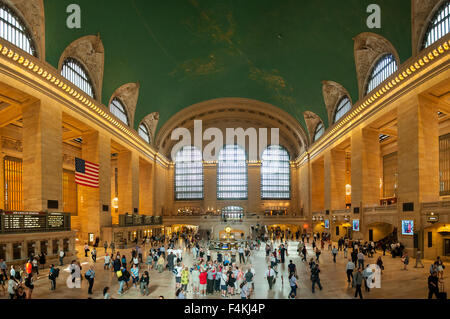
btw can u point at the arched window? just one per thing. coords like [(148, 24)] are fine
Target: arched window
[(73, 71), (188, 174), (275, 173), (232, 173), (116, 107), (320, 129), (13, 29), (439, 25), (343, 107), (143, 132), (383, 69), (232, 213)]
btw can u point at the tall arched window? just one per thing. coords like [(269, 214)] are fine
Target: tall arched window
[(13, 29), (343, 107), (118, 109), (143, 132), (275, 173), (439, 25), (73, 71), (232, 213), (188, 174), (383, 69), (232, 173), (320, 129)]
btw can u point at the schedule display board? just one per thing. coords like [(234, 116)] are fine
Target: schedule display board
[(26, 222)]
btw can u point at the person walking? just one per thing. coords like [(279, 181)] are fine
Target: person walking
[(360, 260), (315, 278), (52, 275), (113, 248), (245, 290), (318, 252), (94, 255), (419, 259), (270, 275), (433, 285), (294, 284), (185, 278), (368, 276), (357, 283), (105, 245), (135, 274), (405, 261), (349, 269), (86, 249), (334, 251), (61, 257), (143, 284), (90, 276)]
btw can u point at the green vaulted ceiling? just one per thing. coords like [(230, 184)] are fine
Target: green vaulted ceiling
[(184, 52)]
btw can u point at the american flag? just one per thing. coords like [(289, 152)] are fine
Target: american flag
[(86, 173)]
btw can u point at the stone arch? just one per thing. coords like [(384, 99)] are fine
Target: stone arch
[(151, 121), (32, 14), (89, 51), (128, 94), (333, 93), (422, 13), (312, 120), (368, 49), (234, 113)]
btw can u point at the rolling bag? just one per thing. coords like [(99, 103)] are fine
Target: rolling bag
[(442, 294)]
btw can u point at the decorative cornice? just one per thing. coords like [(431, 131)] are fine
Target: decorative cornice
[(30, 67), (425, 59)]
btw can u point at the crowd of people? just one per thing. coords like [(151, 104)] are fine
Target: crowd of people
[(202, 271)]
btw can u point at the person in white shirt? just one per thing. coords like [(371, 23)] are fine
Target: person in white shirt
[(270, 275), (177, 270), (107, 261)]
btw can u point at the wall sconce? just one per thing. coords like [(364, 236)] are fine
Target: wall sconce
[(115, 203), (314, 218), (321, 218), (348, 189), (334, 218)]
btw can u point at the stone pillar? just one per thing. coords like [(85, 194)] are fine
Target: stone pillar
[(9, 251), (210, 186), (96, 148), (418, 159), (334, 178), (418, 152), (366, 171), (254, 188), (317, 185), (37, 247), (42, 156), (128, 176), (2, 177), (304, 188), (145, 188)]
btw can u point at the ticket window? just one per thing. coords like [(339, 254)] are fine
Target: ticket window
[(3, 251), (31, 248), (44, 246), (17, 251), (55, 246), (66, 244)]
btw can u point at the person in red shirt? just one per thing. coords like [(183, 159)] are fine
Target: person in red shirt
[(203, 281), (29, 267)]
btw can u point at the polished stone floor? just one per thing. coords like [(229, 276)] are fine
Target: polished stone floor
[(396, 283)]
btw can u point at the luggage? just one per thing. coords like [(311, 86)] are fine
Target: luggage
[(442, 294)]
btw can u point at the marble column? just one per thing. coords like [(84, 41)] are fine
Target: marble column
[(128, 177), (96, 148), (42, 156), (334, 178)]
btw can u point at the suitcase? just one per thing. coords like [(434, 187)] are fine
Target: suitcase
[(442, 294)]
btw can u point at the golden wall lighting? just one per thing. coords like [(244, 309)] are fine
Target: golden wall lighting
[(16, 57)]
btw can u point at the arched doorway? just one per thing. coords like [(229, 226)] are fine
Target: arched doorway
[(381, 232)]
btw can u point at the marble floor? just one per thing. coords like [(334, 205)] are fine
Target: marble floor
[(396, 283)]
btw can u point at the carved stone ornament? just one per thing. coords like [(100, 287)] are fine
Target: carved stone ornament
[(89, 51), (128, 94), (312, 120), (151, 121), (422, 13), (369, 47), (333, 92), (32, 13)]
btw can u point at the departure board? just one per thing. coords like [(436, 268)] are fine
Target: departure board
[(17, 222)]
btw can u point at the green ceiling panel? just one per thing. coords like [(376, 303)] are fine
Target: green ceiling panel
[(184, 52)]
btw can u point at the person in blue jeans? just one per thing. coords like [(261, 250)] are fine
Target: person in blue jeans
[(315, 277), (294, 285)]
